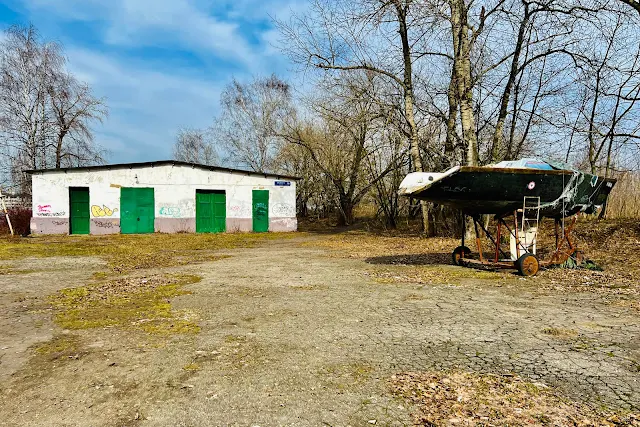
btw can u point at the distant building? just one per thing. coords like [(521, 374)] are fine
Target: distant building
[(162, 196)]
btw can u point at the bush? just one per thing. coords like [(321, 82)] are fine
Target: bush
[(20, 220)]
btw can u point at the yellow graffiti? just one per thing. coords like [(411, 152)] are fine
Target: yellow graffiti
[(99, 211)]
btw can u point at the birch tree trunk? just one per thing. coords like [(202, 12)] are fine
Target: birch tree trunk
[(463, 78)]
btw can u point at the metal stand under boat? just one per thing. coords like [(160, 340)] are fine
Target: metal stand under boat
[(523, 239)]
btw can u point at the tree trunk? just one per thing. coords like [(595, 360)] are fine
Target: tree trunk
[(450, 142), (345, 214), (59, 149), (464, 89), (462, 71), (409, 101), (498, 137)]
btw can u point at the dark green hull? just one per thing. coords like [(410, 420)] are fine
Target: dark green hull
[(500, 191)]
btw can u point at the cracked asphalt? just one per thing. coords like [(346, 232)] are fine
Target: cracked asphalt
[(293, 336)]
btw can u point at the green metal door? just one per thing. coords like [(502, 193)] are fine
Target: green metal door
[(211, 211), (146, 210), (260, 211), (137, 210), (79, 210)]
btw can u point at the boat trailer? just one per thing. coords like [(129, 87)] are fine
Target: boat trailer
[(522, 241)]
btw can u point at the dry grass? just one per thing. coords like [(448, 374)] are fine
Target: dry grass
[(132, 252), (469, 399), (136, 303), (402, 247), (624, 201), (409, 258)]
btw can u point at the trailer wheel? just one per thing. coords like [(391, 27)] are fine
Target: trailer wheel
[(459, 253), (528, 265)]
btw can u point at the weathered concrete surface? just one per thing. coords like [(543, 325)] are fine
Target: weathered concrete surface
[(175, 225), (239, 225), (101, 226), (306, 339), (47, 225), (283, 224)]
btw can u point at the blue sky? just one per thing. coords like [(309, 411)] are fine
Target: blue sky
[(160, 64)]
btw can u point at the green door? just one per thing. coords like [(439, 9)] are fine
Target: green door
[(79, 210), (260, 211), (211, 211), (137, 210)]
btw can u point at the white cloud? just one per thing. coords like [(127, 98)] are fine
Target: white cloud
[(157, 23)]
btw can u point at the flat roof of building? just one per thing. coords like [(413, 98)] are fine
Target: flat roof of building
[(165, 163)]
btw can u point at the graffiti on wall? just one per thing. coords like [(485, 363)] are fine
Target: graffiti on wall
[(47, 211), (44, 208), (100, 211), (284, 210), (170, 211), (103, 224), (240, 211)]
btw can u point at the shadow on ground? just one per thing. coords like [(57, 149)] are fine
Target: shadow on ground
[(412, 259)]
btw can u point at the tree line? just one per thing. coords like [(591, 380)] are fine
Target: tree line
[(46, 113), (403, 85)]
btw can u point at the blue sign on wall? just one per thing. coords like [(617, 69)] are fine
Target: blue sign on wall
[(283, 183)]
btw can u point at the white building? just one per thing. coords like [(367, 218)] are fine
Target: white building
[(163, 196)]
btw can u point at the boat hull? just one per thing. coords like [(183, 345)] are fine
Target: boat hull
[(501, 191)]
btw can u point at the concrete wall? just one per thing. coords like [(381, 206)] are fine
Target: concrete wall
[(175, 197)]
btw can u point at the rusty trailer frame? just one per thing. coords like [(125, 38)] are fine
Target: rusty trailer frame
[(526, 263)]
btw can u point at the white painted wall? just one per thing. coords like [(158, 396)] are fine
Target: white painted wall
[(174, 188)]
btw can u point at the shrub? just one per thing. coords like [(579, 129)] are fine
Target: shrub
[(20, 220)]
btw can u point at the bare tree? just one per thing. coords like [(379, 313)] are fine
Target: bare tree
[(45, 113), (25, 67), (195, 146), (345, 143), (252, 116), (74, 108), (375, 36)]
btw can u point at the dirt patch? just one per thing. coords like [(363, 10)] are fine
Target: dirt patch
[(468, 399)]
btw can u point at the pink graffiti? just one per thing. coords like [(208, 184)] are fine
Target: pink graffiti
[(44, 208)]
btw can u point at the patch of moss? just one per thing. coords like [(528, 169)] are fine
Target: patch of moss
[(138, 303), (100, 275), (191, 367), (59, 345), (430, 274), (133, 252), (234, 338)]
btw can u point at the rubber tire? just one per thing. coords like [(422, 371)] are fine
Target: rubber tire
[(528, 265), (459, 253)]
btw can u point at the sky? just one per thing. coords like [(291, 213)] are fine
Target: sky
[(160, 64)]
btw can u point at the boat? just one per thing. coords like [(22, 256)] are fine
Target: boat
[(526, 190), (500, 189)]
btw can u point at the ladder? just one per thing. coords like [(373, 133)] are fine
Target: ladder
[(530, 222)]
